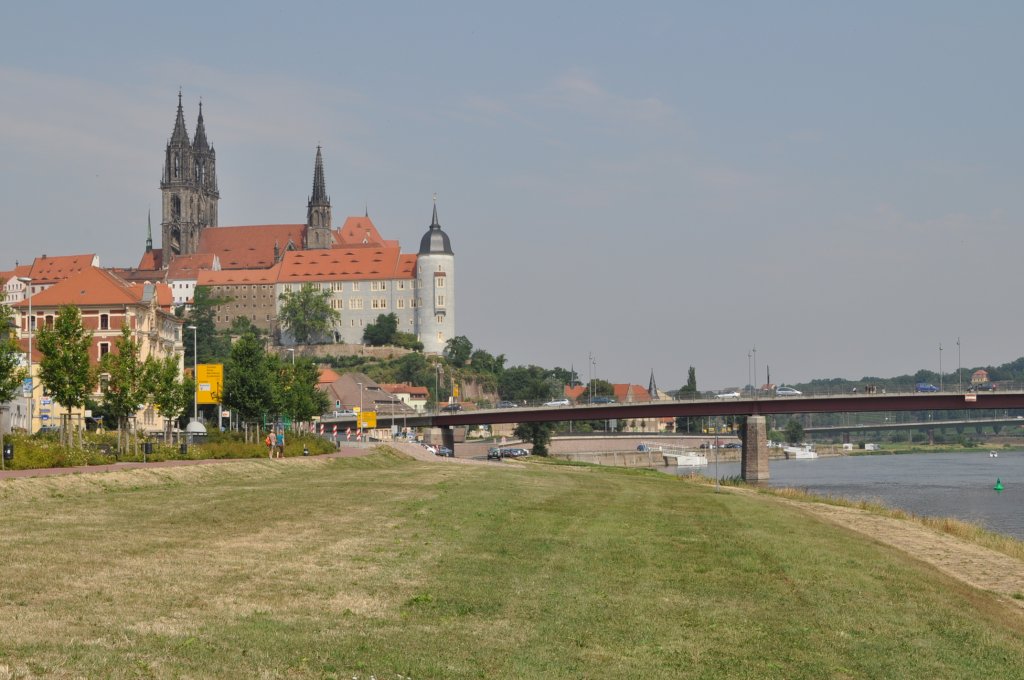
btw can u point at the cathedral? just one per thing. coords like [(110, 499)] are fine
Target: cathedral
[(364, 274)]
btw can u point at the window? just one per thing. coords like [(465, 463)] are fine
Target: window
[(355, 303), (379, 303), (355, 286), (104, 349), (401, 303), (49, 321), (401, 285), (439, 281), (440, 318), (440, 300)]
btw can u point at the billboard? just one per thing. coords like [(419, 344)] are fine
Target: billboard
[(209, 383)]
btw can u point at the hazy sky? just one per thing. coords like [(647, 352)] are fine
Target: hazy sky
[(658, 184)]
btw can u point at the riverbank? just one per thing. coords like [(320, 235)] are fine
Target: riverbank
[(388, 566)]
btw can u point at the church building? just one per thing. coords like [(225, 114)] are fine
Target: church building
[(365, 274)]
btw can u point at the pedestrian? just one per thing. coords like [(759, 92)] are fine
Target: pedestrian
[(280, 444), (269, 441)]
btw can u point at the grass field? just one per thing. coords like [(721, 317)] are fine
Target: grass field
[(394, 568)]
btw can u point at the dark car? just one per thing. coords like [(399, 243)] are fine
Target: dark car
[(982, 387), (493, 454), (603, 400), (925, 387), (733, 445), (452, 408), (506, 404)]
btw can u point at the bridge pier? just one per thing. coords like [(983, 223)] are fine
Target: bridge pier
[(846, 437), (754, 461), (448, 438)]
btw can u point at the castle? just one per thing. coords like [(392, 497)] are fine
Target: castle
[(252, 266)]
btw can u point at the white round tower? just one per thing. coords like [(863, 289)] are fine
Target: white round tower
[(435, 288)]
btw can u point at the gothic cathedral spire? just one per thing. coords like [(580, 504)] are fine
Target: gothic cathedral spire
[(318, 210), (189, 188)]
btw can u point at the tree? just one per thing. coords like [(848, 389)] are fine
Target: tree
[(524, 383), (307, 313), (539, 434), (458, 350), (126, 387), (601, 388), (172, 393), (11, 373), (212, 346), (64, 369), (250, 387), (794, 432), (483, 361), (382, 332), (690, 388), (300, 397)]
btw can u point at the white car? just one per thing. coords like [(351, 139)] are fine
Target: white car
[(727, 395), (557, 402), (787, 392)]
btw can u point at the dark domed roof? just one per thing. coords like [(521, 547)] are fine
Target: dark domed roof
[(435, 241)]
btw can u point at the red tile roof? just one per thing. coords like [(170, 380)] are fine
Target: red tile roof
[(249, 247), (348, 263), (357, 231), (402, 388), (237, 277), (152, 260), (188, 266), (138, 275), (327, 375), (626, 393), (91, 287), (52, 269), (574, 392)]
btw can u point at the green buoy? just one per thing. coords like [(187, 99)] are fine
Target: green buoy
[(999, 485)]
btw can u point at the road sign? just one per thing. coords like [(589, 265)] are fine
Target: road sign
[(26, 387), (209, 383), (368, 419), (44, 417)]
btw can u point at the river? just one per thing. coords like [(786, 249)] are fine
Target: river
[(956, 485)]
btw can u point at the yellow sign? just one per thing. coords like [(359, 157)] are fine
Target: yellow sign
[(368, 420), (209, 383), (455, 390)]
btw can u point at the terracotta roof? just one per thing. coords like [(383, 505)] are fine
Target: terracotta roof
[(152, 260), (626, 393), (137, 275), (327, 375), (402, 388), (249, 247), (93, 286), (574, 392), (51, 269), (357, 231), (188, 266), (237, 277), (355, 263)]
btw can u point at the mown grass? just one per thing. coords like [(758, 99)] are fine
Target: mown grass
[(389, 567)]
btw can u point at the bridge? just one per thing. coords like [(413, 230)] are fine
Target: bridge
[(754, 460)]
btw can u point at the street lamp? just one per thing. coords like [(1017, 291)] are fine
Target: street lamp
[(959, 374), (195, 374), (359, 418), (940, 367), (31, 378)]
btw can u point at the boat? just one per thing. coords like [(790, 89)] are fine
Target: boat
[(686, 459), (805, 451)]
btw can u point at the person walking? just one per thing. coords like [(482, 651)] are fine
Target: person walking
[(269, 441), (280, 444)]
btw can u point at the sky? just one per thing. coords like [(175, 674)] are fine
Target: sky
[(655, 185)]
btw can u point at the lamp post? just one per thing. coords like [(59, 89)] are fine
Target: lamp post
[(959, 374), (437, 387), (31, 377), (359, 417), (754, 352), (195, 374), (940, 367)]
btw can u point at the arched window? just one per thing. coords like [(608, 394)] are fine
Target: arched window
[(104, 322), (177, 165)]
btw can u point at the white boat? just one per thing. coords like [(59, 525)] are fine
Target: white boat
[(805, 451), (684, 458)]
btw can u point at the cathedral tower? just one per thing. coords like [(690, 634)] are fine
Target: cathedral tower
[(189, 188), (318, 210)]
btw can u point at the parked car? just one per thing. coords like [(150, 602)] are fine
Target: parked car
[(733, 445), (557, 402), (925, 387), (452, 408), (493, 454), (506, 404), (783, 391), (345, 413), (445, 452), (727, 395)]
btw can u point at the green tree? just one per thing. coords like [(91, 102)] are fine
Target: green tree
[(382, 332), (172, 392), (524, 383), (601, 388), (458, 350), (300, 397), (688, 390), (213, 347), (307, 313), (483, 361), (64, 368), (11, 373), (250, 384), (125, 387), (794, 431), (539, 434)]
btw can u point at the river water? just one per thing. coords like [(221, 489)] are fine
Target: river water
[(956, 485)]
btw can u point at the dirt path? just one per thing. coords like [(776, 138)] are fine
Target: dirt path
[(965, 561)]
